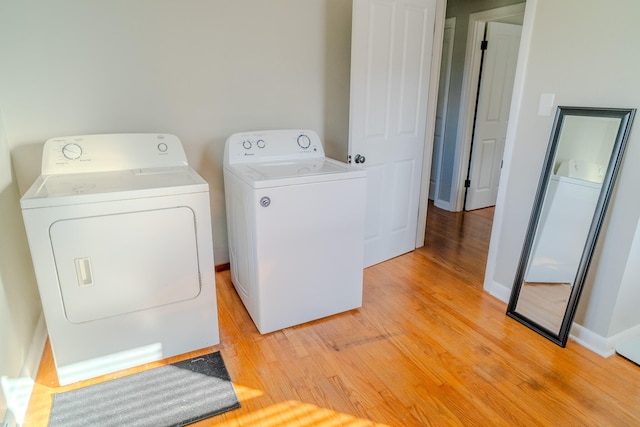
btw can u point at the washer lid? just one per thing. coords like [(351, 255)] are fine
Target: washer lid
[(273, 174), (76, 188)]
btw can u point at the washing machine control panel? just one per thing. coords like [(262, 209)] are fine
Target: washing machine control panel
[(111, 152), (273, 145), (72, 151)]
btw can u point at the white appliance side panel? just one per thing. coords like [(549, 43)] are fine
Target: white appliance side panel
[(110, 265), (241, 234), (310, 242)]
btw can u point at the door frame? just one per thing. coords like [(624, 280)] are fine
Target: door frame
[(470, 80), (490, 285), (430, 126)]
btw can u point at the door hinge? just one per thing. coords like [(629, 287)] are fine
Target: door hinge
[(348, 158), (484, 44), (467, 183)]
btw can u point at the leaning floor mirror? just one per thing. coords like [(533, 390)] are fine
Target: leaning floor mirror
[(582, 161)]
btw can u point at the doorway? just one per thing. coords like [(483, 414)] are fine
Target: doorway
[(497, 74), (457, 162), (471, 79), (453, 169)]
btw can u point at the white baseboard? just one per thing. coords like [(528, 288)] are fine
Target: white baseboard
[(18, 390), (498, 290), (441, 204), (605, 347), (594, 342)]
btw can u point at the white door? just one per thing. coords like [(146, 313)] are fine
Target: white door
[(492, 116), (441, 111), (391, 47)]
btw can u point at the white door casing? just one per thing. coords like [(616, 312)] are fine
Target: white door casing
[(392, 42), (492, 115)]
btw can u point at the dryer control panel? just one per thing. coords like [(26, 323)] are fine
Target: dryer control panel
[(111, 152), (272, 146)]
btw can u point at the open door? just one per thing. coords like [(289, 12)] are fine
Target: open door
[(391, 54), (492, 115)]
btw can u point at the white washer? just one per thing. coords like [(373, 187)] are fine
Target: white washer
[(120, 235), (295, 221)]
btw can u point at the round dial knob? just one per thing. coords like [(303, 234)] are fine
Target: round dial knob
[(246, 144), (260, 143), (304, 141), (72, 151)]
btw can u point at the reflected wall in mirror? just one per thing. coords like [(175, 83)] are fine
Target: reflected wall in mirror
[(582, 161)]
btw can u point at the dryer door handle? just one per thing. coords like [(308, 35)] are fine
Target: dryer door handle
[(84, 271)]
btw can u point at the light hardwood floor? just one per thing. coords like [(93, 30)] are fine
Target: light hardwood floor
[(428, 347)]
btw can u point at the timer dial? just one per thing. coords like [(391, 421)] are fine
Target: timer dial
[(304, 141), (72, 151)]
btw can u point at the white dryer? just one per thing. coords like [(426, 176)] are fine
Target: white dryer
[(120, 235), (295, 222)]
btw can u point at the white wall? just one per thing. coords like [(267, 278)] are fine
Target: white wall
[(198, 69), (580, 50), (19, 301)]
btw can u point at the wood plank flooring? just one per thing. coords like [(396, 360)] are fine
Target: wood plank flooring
[(428, 347)]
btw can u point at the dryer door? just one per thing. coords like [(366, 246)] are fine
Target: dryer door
[(110, 265)]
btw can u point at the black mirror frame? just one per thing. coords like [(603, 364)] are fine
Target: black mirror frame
[(626, 116)]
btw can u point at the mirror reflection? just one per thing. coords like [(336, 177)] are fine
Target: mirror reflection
[(582, 159)]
